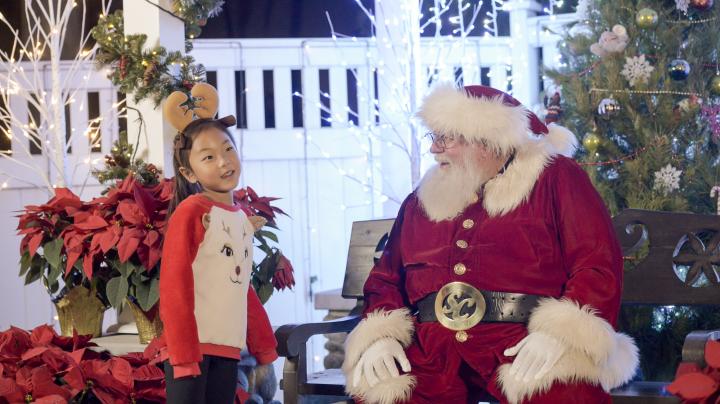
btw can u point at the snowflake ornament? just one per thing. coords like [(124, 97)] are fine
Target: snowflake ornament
[(637, 70), (667, 179), (682, 5)]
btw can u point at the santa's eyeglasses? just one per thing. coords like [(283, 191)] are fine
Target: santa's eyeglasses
[(443, 142)]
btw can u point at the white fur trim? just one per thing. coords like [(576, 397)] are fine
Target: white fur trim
[(596, 353), (387, 391), (397, 324), (560, 140), (448, 109), (508, 190), (511, 188), (576, 327)]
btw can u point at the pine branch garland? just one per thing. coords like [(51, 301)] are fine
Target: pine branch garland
[(149, 74)]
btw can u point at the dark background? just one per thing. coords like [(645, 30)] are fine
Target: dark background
[(259, 19)]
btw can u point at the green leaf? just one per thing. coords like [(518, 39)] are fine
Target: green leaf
[(54, 274), (266, 290), (125, 268), (25, 261), (34, 273), (54, 287), (268, 234), (79, 265), (52, 250), (117, 290), (147, 294)]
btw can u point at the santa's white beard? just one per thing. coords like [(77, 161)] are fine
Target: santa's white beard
[(445, 192)]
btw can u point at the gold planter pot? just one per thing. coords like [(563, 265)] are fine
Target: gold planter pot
[(148, 323), (80, 310)]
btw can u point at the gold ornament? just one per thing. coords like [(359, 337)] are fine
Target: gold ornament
[(591, 142), (647, 18), (715, 85)]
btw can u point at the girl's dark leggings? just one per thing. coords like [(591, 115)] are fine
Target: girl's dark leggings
[(216, 383)]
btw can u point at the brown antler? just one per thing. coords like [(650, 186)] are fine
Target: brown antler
[(175, 112), (205, 105), (206, 100)]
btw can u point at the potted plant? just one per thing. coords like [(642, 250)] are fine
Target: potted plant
[(53, 249)]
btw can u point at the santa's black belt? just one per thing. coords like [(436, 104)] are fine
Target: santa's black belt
[(460, 306)]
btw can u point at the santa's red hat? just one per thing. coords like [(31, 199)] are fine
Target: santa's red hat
[(480, 113)]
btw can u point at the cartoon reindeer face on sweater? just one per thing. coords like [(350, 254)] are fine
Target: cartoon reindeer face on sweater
[(228, 238)]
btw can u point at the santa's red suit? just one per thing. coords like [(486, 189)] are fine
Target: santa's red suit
[(537, 228)]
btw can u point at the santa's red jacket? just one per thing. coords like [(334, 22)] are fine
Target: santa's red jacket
[(538, 228)]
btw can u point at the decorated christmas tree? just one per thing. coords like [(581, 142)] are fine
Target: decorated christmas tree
[(640, 85)]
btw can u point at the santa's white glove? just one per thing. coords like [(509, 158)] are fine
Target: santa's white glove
[(536, 355), (378, 362)]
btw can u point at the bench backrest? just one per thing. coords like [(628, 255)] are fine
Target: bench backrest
[(367, 242), (669, 244), (674, 248)]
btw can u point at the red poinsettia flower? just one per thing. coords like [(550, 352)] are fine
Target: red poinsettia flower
[(259, 205), (40, 223), (110, 381), (149, 384), (77, 240), (13, 343), (693, 384), (283, 277), (36, 385), (141, 214)]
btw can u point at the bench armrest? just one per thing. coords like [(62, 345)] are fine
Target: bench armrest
[(291, 338), (693, 349)]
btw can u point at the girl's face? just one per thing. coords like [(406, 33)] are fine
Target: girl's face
[(214, 162)]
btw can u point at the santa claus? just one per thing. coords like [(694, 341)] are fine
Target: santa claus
[(502, 272)]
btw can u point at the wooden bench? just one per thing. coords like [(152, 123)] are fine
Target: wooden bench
[(652, 281)]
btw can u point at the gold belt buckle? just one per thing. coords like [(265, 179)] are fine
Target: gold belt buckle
[(459, 306)]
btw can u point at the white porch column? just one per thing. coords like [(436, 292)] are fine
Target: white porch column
[(525, 61), (167, 30)]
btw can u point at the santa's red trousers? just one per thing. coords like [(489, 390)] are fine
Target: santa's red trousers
[(448, 371)]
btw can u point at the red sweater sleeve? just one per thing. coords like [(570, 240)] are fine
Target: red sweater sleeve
[(177, 293), (590, 249), (261, 340)]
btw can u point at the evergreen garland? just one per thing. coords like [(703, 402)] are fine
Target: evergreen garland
[(121, 162), (195, 14), (153, 73)]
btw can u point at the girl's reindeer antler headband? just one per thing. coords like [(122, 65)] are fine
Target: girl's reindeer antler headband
[(180, 110)]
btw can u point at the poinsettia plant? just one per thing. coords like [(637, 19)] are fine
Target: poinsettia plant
[(699, 385), (274, 271), (114, 242), (40, 366), (54, 235)]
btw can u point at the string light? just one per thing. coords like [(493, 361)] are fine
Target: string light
[(646, 92)]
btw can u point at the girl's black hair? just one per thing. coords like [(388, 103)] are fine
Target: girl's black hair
[(181, 158)]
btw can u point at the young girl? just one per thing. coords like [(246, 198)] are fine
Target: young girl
[(208, 311)]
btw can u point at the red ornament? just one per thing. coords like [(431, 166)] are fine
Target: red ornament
[(701, 5), (188, 84), (123, 67)]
